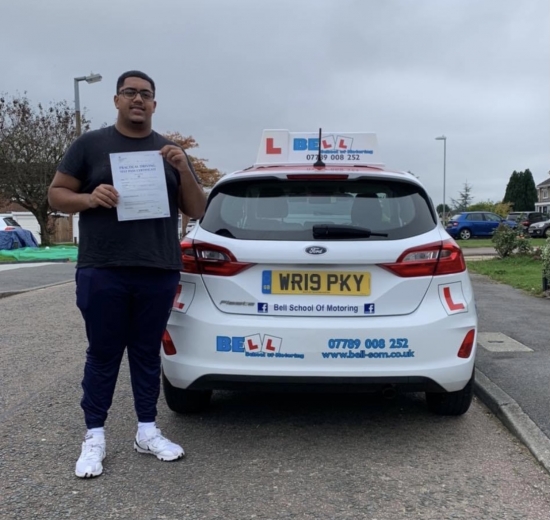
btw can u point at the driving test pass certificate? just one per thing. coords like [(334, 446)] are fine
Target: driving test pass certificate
[(140, 180)]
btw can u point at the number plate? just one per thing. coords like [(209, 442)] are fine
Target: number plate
[(334, 283)]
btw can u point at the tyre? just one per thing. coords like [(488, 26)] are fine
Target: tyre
[(545, 233), (185, 401), (451, 403), (465, 234)]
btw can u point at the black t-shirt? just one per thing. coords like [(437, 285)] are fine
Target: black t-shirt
[(104, 241)]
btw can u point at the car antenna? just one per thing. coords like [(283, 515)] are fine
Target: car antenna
[(319, 163)]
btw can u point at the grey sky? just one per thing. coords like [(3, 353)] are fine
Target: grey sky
[(477, 71)]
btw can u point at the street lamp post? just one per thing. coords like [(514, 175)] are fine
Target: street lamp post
[(92, 78), (444, 139)]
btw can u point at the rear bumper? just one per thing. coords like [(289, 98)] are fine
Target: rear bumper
[(315, 384), (418, 352)]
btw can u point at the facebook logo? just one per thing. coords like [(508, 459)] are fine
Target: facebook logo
[(369, 308), (263, 307)]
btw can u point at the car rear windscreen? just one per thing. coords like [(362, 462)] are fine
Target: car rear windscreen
[(278, 209), (9, 221)]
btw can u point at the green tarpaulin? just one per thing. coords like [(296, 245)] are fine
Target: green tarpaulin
[(40, 254)]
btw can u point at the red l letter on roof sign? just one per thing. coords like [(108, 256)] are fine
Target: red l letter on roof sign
[(270, 147)]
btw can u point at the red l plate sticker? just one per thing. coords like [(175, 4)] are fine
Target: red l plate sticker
[(452, 298)]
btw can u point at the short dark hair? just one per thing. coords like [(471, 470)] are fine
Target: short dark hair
[(134, 74)]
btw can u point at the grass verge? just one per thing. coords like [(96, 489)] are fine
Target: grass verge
[(487, 242), (521, 272)]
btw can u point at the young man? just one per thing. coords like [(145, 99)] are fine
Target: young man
[(128, 270)]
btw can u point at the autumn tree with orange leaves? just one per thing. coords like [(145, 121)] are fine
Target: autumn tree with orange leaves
[(208, 176)]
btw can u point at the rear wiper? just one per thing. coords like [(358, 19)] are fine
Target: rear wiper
[(343, 231), (225, 233)]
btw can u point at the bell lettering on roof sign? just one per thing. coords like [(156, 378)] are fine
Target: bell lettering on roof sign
[(301, 143), (312, 144)]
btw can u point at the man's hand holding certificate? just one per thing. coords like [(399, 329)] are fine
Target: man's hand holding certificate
[(104, 195), (176, 157), (140, 180)]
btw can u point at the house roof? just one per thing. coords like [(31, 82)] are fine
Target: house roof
[(544, 183), (6, 206)]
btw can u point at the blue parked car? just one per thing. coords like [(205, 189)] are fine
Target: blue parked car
[(476, 224)]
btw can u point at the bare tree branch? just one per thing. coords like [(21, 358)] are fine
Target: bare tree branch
[(33, 140)]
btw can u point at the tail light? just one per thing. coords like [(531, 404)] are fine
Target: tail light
[(168, 344), (465, 349), (9, 228), (430, 260), (203, 258), (526, 223)]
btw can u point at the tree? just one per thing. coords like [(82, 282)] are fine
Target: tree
[(521, 191), (500, 208), (530, 195), (503, 209), (512, 189), (439, 209), (486, 205), (465, 198), (208, 176), (33, 141)]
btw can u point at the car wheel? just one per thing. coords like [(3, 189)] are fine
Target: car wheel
[(185, 401), (451, 403), (465, 234), (545, 233)]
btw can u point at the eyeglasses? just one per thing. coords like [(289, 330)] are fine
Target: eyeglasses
[(131, 93)]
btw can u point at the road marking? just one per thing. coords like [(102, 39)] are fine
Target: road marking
[(498, 342), (7, 267)]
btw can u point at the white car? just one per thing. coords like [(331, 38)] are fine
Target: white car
[(336, 275), (190, 225), (8, 223)]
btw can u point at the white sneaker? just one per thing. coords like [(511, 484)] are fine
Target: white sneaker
[(155, 444), (89, 464)]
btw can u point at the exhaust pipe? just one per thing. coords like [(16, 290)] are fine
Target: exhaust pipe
[(389, 392)]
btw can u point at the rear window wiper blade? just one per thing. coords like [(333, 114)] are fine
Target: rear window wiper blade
[(224, 233), (343, 231)]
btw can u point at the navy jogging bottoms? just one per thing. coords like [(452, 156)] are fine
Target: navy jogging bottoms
[(123, 307)]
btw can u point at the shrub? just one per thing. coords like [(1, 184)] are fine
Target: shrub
[(508, 241), (523, 244), (536, 253), (545, 256), (505, 239)]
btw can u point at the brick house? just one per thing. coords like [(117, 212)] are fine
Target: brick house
[(6, 206)]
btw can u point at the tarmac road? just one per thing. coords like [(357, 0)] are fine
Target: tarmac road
[(15, 278), (252, 456)]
